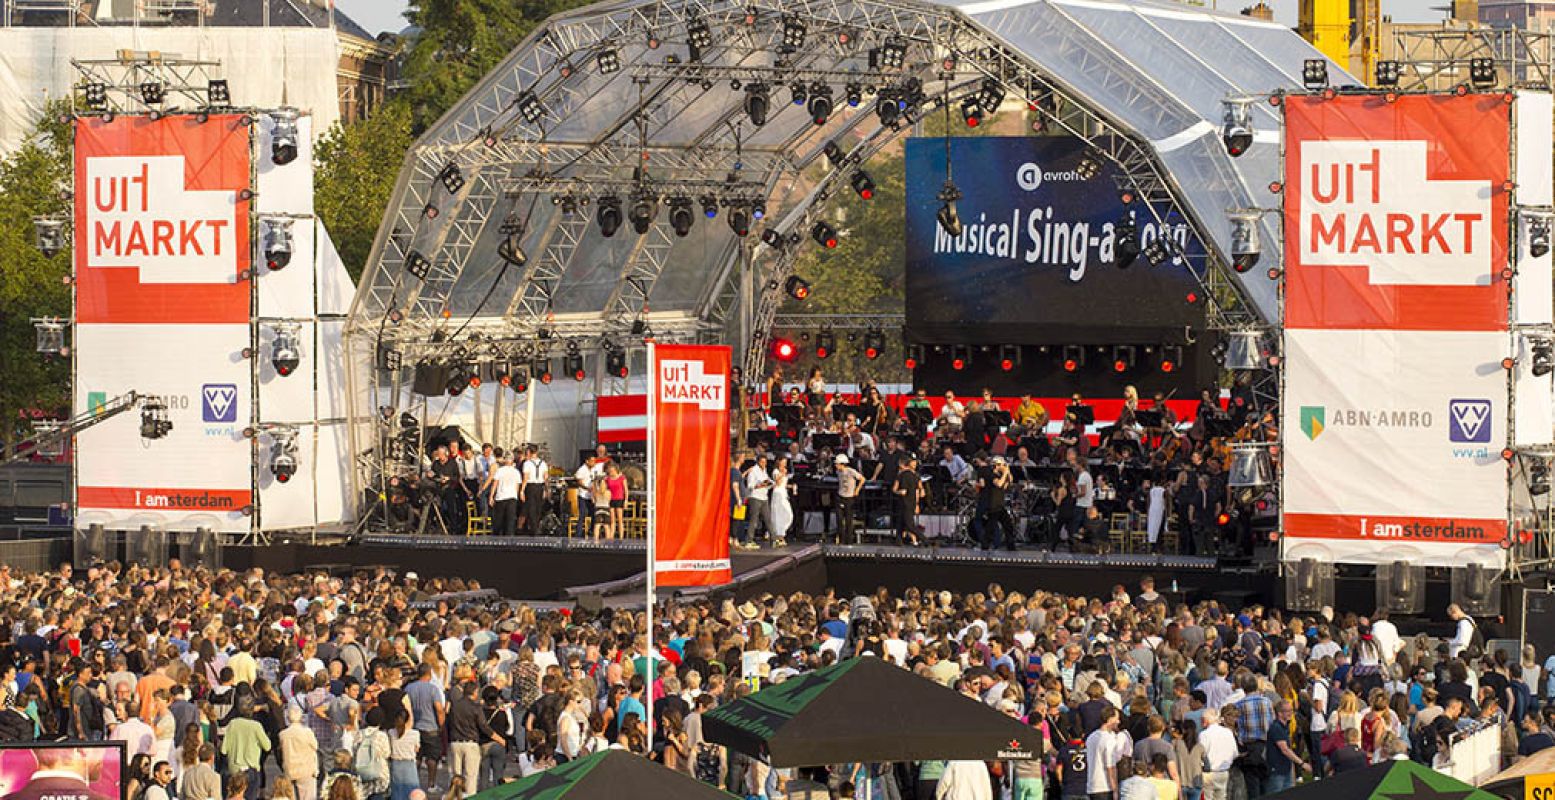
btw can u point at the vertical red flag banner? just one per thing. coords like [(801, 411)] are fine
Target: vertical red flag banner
[(690, 430)]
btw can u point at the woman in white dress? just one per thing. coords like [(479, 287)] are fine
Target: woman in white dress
[(780, 513), (1155, 515)]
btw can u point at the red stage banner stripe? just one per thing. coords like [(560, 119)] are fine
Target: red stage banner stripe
[(1396, 530), (690, 388), (214, 500)]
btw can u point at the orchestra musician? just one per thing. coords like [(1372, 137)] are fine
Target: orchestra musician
[(951, 417), (1030, 417)]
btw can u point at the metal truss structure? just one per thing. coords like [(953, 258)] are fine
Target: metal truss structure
[(1438, 59), (493, 230), (125, 84)]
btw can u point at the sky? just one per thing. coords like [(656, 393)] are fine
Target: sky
[(386, 15)]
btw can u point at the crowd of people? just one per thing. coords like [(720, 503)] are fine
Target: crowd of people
[(372, 686)]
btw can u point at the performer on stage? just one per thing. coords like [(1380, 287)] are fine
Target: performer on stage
[(535, 473), (502, 488), (996, 523), (908, 490), (849, 483)]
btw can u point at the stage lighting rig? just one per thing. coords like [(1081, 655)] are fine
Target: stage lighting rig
[(1482, 72), (1171, 358), (530, 108), (572, 362), (1388, 73), (888, 110), (758, 102), (608, 61), (698, 34), (799, 93), (771, 238), (853, 94), (153, 93), (1538, 234), (285, 352), (825, 343), (834, 153), (644, 208), (1125, 246), (739, 219), (283, 136), (615, 362), (960, 357), (970, 113), (914, 356), (154, 422), (1009, 357), (451, 178), (681, 217), (278, 241), (283, 452), (709, 206), (609, 215), (1089, 165), (1543, 350), (1122, 357), (949, 218), (824, 234), (874, 344), (784, 350), (1236, 130), (820, 104), (893, 53), (863, 185), (991, 96), (1314, 74), (1073, 357), (1245, 249), (794, 32), (1538, 476), (49, 233), (796, 287), (95, 95), (540, 368)]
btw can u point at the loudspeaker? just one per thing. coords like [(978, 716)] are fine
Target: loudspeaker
[(431, 379), (147, 547), (1476, 589), (93, 546), (201, 548)]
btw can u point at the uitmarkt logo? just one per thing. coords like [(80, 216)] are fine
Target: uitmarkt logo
[(1312, 420)]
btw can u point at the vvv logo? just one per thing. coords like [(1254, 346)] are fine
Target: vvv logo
[(1469, 422)]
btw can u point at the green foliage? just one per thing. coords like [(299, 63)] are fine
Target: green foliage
[(32, 180), (355, 170)]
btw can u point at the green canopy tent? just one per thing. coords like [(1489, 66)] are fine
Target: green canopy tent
[(865, 709), (1390, 780), (613, 773)]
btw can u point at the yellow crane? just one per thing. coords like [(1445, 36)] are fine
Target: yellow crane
[(1341, 29)]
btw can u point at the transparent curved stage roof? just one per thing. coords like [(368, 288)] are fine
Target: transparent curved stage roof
[(593, 95)]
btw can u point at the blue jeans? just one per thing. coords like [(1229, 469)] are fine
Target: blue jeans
[(403, 778), (585, 515), (1192, 793), (1278, 782)]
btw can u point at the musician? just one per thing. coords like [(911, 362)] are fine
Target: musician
[(448, 477), (877, 419), (908, 490), (1168, 416), (992, 486), (1203, 509), (502, 487), (815, 391), (774, 384), (849, 483), (1023, 459), (860, 444), (1031, 416), (951, 416), (974, 426), (956, 465), (1128, 418), (919, 399), (535, 472), (1072, 438), (890, 461)]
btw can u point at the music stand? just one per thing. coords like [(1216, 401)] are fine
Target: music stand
[(1083, 414), (1219, 425), (996, 418), (919, 418), (1038, 447), (821, 441), (758, 437), (840, 411), (1150, 418)]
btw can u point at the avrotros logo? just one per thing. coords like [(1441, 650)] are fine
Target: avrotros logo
[(1029, 176), (1371, 203), (138, 214), (686, 382)]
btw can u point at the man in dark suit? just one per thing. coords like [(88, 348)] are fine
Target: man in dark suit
[(63, 773)]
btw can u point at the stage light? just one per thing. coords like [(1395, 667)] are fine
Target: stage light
[(1482, 72), (1538, 477), (154, 421), (1171, 358), (854, 94), (863, 185), (1543, 349), (771, 238), (1388, 73), (793, 33), (759, 209), (1191, 298), (681, 217), (970, 113), (417, 265), (615, 362), (218, 93), (509, 251), (644, 208), (1244, 240), (1089, 166), (797, 287), (820, 103), (1314, 74), (458, 380), (739, 220), (540, 368), (960, 357), (1125, 247), (49, 234), (652, 40), (451, 178), (698, 34), (1236, 131), (568, 204), (152, 93), (1074, 357), (278, 241), (893, 53), (887, 110), (1223, 519), (825, 343), (991, 96), (784, 350), (390, 359), (608, 215), (1156, 252), (529, 107), (758, 102), (1538, 235), (824, 234), (949, 218), (874, 344), (834, 153), (1122, 357), (95, 95), (283, 136), (1009, 357), (572, 364), (914, 356), (518, 380), (608, 61), (798, 93), (285, 354)]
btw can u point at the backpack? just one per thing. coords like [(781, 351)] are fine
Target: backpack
[(705, 763), (1476, 639), (1423, 745), (365, 762)]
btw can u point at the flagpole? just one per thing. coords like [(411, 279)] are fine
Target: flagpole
[(652, 487)]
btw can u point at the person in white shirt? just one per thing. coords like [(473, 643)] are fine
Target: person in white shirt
[(1385, 634), (964, 780), (535, 473), (584, 477), (1219, 751), (759, 485), (950, 415), (1465, 631), (1104, 748), (502, 487)]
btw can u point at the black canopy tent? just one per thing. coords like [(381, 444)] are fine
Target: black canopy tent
[(864, 709), (612, 773)]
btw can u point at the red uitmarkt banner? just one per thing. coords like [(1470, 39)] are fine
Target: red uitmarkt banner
[(690, 430), (161, 223)]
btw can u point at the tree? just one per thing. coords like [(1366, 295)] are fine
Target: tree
[(33, 180), (355, 167)]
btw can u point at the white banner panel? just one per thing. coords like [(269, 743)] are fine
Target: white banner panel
[(284, 188), (336, 289), (287, 398), (334, 371), (199, 474), (1534, 114), (334, 483), (289, 504), (1534, 415), (288, 291)]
